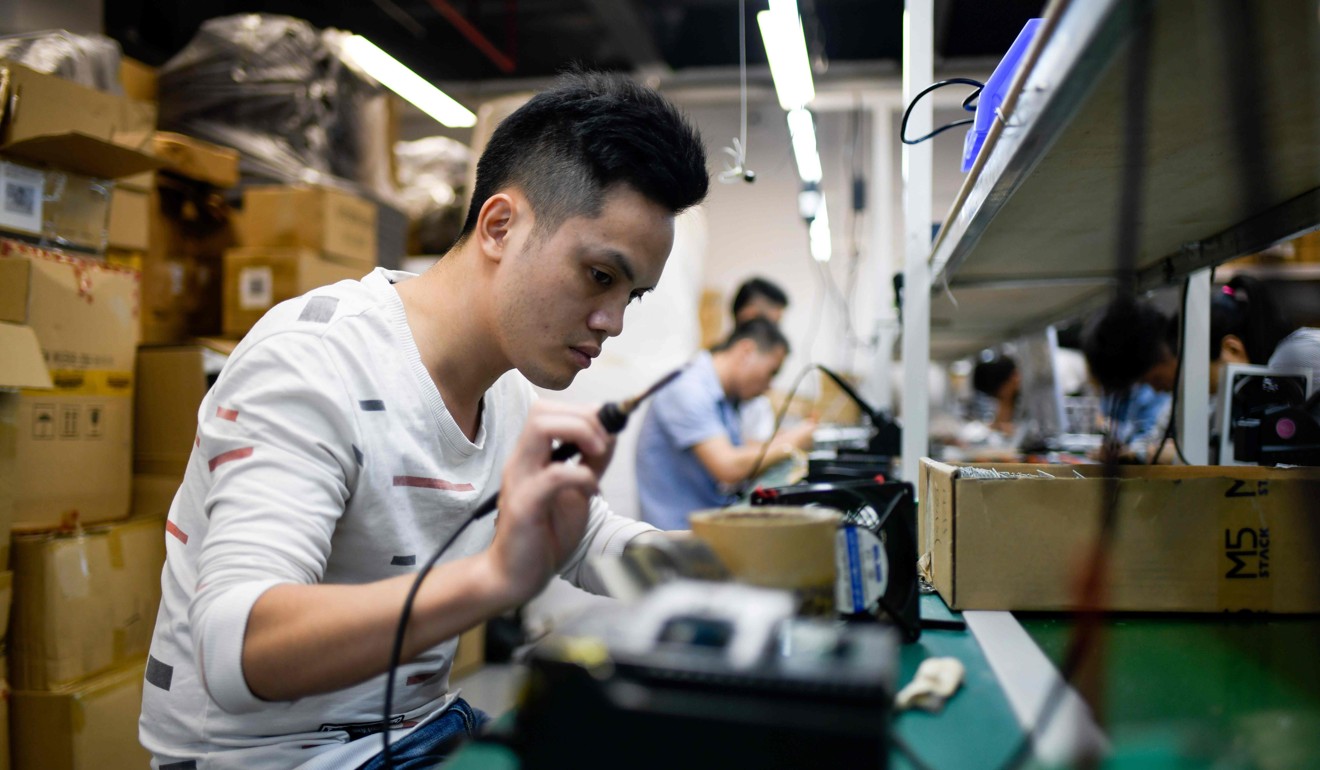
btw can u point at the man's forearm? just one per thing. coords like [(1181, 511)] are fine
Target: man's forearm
[(308, 639)]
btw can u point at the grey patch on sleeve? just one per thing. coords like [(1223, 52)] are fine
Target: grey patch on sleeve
[(190, 764), (159, 673), (357, 454), (319, 309), (373, 405), (404, 561)]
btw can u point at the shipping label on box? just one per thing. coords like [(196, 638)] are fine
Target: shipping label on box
[(89, 726), (84, 603), (1185, 539), (21, 191)]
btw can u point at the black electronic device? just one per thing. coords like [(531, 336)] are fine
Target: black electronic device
[(707, 676), (876, 546), (1283, 434), (888, 438)]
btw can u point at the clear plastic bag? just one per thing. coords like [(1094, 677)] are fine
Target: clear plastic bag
[(88, 60)]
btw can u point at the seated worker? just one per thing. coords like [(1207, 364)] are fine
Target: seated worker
[(691, 450), (1136, 342), (1130, 349), (1000, 380), (758, 298), (355, 429)]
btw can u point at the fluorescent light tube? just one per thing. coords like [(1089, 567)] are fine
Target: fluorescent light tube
[(786, 48), (818, 232), (803, 133), (408, 84)]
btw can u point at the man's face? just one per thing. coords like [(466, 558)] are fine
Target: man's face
[(756, 369), (560, 295), (760, 307), (1163, 376)]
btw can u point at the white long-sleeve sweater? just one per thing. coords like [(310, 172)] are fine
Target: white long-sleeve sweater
[(324, 454)]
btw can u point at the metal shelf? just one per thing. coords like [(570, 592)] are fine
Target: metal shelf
[(1032, 237)]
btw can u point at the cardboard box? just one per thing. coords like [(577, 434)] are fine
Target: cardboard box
[(138, 79), (84, 314), (195, 159), (256, 279), (471, 652), (84, 603), (153, 493), (39, 109), (1186, 539), (90, 726), (333, 222), (129, 225), (171, 382), (66, 210), (20, 367)]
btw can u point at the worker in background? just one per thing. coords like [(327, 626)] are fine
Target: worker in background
[(691, 452), (355, 429), (999, 380), (758, 298), (1134, 342)]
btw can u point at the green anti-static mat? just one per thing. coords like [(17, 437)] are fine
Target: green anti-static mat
[(1204, 691)]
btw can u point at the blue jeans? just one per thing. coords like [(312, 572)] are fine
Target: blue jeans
[(426, 746)]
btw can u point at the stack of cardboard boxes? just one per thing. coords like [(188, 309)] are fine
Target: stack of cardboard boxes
[(85, 583), (111, 235), (295, 239)]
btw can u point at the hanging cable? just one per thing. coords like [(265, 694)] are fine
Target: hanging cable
[(968, 105)]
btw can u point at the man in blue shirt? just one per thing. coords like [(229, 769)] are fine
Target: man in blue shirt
[(691, 450)]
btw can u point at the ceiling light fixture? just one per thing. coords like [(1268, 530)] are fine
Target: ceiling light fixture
[(408, 84), (786, 48), (802, 131)]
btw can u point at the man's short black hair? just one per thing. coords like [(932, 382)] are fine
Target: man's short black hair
[(989, 376), (1125, 340), (756, 287), (762, 331), (569, 144)]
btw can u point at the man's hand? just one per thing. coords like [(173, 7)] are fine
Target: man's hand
[(799, 435), (544, 505)]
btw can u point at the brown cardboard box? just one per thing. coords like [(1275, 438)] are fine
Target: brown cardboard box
[(84, 313), (92, 725), (153, 493), (20, 367), (138, 79), (471, 652), (1186, 539), (195, 159), (256, 279), (340, 225), (40, 107), (129, 225), (60, 209), (171, 382), (84, 603)]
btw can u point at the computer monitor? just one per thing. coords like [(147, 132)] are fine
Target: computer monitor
[(1246, 390)]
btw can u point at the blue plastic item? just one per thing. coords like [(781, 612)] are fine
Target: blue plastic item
[(996, 88)]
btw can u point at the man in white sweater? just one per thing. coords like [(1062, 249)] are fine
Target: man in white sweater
[(355, 428)]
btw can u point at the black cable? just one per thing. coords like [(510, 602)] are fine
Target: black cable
[(779, 419), (902, 128)]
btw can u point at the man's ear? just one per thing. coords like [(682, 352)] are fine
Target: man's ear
[(494, 223), (1233, 347)]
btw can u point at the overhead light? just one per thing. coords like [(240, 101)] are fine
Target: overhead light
[(408, 84), (818, 233), (786, 48), (803, 133)]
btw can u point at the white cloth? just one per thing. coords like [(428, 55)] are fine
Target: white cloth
[(324, 455)]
